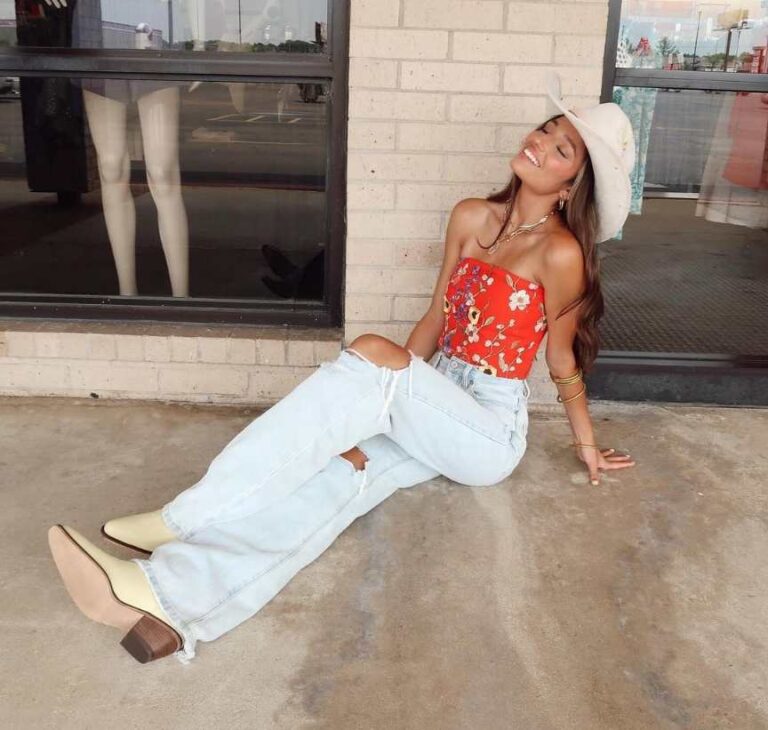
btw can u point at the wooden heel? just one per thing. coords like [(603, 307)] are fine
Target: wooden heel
[(150, 639)]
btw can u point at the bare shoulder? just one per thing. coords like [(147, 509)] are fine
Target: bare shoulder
[(562, 253), (472, 212)]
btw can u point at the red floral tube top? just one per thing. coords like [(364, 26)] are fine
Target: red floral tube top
[(494, 319)]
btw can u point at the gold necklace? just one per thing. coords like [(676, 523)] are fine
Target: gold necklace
[(522, 228)]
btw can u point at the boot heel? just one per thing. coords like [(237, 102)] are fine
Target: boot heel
[(150, 639)]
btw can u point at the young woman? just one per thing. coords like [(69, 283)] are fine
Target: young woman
[(380, 417)]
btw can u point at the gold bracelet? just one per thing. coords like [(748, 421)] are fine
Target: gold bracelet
[(560, 399), (575, 378), (591, 446)]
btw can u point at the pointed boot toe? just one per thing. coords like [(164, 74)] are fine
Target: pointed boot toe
[(143, 532), (117, 541)]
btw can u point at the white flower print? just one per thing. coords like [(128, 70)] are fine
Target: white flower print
[(519, 300)]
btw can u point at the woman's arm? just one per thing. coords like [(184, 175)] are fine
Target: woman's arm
[(467, 215), (562, 277), (423, 338)]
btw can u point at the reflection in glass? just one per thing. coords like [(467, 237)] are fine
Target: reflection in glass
[(734, 185), (690, 275), (163, 188), (247, 26), (692, 35)]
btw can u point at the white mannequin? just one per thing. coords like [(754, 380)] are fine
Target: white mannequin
[(159, 119)]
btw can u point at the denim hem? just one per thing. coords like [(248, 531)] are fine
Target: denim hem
[(171, 523), (187, 651)]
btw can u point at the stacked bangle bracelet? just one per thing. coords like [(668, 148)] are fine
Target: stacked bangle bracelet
[(569, 380), (583, 390), (575, 378)]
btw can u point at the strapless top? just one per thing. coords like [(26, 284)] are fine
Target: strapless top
[(494, 319)]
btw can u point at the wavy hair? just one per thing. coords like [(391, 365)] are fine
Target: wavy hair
[(580, 216)]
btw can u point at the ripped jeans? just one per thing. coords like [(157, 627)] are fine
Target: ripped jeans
[(279, 493)]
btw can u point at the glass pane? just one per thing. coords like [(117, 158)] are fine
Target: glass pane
[(690, 35), (689, 273), (161, 188), (248, 26)]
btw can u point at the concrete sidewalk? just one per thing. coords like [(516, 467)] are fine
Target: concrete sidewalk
[(543, 604)]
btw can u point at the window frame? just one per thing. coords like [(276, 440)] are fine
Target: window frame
[(330, 67), (660, 79)]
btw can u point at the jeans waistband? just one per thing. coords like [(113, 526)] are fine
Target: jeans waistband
[(469, 374)]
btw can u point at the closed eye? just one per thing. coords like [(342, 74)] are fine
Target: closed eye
[(559, 149)]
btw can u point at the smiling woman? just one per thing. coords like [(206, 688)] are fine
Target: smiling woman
[(279, 493)]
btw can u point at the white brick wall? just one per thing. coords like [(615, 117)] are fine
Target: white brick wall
[(440, 92), (208, 368)]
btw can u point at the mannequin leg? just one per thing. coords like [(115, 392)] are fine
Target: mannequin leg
[(159, 115), (107, 122)]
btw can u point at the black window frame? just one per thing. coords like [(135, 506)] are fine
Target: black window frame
[(330, 67)]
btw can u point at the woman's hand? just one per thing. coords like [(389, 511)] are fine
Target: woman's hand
[(602, 459)]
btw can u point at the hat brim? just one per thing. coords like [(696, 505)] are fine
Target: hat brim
[(613, 189)]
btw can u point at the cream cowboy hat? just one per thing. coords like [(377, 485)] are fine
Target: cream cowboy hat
[(607, 134)]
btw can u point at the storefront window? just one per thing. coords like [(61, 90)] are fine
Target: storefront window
[(688, 274), (685, 280), (177, 160), (685, 35), (246, 26), (163, 188)]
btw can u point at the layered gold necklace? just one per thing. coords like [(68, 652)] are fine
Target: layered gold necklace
[(508, 235)]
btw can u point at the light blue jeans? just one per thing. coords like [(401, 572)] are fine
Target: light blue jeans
[(279, 493)]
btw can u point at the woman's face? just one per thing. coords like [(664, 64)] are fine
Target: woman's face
[(550, 157)]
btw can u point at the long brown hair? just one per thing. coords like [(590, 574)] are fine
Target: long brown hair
[(580, 216)]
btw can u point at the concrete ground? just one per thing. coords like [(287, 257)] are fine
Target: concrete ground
[(541, 604)]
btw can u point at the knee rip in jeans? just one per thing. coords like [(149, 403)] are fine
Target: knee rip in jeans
[(361, 473), (354, 463), (393, 374)]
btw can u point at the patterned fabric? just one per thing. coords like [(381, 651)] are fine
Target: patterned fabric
[(638, 104), (494, 319)]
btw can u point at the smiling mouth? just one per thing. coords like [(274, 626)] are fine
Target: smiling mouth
[(535, 160)]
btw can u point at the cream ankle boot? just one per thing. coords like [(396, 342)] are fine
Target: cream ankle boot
[(113, 592), (143, 532)]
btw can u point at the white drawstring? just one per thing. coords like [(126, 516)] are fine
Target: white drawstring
[(410, 373), (388, 395), (364, 480), (393, 383)]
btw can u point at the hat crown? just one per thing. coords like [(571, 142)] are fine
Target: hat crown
[(613, 125), (607, 134)]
